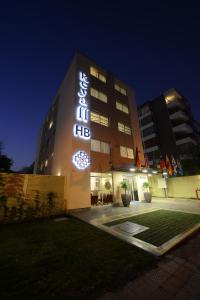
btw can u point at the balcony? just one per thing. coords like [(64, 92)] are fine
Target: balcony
[(147, 125), (186, 140), (145, 115), (151, 149), (175, 104), (148, 137), (179, 116), (183, 128)]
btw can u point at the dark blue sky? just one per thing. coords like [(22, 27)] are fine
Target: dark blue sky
[(150, 45)]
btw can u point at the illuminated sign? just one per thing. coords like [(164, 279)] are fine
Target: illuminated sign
[(82, 131), (81, 160)]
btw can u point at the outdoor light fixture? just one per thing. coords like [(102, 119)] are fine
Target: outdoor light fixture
[(154, 172), (132, 169), (81, 160), (144, 171), (164, 173)]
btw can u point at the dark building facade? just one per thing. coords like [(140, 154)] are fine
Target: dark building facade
[(168, 128)]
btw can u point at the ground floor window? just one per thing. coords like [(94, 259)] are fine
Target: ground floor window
[(101, 186)]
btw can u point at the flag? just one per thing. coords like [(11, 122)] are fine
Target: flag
[(137, 158), (174, 165), (162, 164), (179, 167), (169, 166)]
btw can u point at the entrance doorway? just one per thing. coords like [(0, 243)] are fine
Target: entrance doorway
[(132, 186)]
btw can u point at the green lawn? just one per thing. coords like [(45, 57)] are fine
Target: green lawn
[(64, 260), (163, 225)]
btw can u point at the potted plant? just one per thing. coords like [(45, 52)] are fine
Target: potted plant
[(147, 194), (126, 199)]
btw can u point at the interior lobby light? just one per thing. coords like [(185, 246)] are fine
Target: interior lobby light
[(154, 172), (132, 169), (144, 171)]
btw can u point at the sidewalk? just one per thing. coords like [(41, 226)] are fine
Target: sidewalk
[(177, 277)]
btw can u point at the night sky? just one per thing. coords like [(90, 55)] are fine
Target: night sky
[(150, 45)]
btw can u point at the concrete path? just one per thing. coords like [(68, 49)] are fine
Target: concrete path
[(107, 213)]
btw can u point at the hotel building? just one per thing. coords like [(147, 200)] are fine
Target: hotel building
[(90, 135), (168, 128)]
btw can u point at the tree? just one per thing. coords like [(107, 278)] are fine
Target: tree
[(27, 170), (5, 163)]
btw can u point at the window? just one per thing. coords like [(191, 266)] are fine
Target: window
[(99, 95), (124, 128), (122, 107), (151, 143), (144, 110), (148, 131), (99, 146), (126, 152), (95, 72), (46, 163), (146, 120), (97, 118), (120, 89)]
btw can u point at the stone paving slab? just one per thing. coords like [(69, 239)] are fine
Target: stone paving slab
[(176, 277)]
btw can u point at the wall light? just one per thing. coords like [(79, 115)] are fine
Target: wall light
[(132, 169), (144, 171)]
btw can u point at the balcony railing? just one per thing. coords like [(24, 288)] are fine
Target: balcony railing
[(186, 140), (185, 128), (179, 116)]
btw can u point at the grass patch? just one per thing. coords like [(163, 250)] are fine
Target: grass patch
[(64, 260), (163, 225)]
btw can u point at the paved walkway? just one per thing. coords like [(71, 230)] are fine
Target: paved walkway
[(106, 213), (177, 277)]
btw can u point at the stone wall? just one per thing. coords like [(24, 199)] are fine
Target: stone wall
[(24, 197)]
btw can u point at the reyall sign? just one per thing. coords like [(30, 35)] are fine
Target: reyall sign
[(81, 130)]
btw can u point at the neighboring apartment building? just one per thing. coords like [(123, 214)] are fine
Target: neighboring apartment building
[(90, 133), (168, 128)]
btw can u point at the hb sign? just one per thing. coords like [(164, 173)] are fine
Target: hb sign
[(82, 131)]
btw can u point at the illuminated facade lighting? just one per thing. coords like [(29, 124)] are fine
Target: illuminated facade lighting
[(81, 160)]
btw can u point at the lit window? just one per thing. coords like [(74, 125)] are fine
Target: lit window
[(126, 152), (105, 148), (95, 145), (123, 151), (120, 89), (123, 128), (122, 107), (46, 163), (98, 95), (50, 124), (96, 118), (94, 72), (99, 146)]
